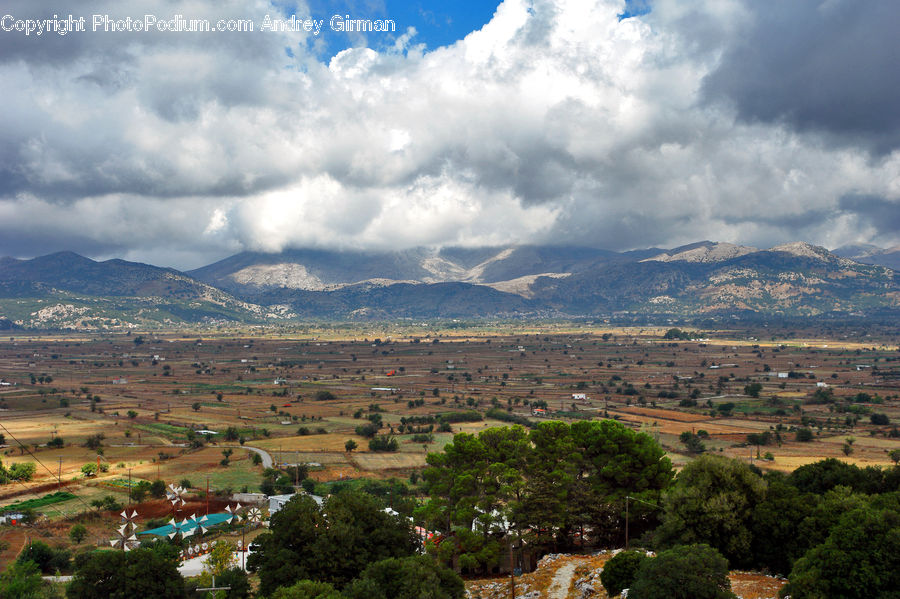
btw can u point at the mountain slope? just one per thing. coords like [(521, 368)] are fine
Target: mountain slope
[(706, 278), (70, 291), (796, 279), (870, 254), (256, 276)]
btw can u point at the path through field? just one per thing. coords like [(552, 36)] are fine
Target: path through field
[(266, 458), (562, 580)]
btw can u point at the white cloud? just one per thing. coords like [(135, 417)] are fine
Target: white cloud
[(555, 123)]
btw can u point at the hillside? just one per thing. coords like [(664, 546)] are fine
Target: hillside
[(705, 279), (66, 290)]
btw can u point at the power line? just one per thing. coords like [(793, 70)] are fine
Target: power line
[(25, 447)]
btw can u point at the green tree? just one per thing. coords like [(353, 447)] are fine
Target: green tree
[(22, 471), (47, 559), (142, 572), (220, 558), (467, 482), (157, 488), (22, 580), (613, 462), (233, 577), (753, 389), (827, 474), (776, 525), (895, 456), (350, 445), (683, 572), (384, 443), (78, 533), (307, 589), (712, 502), (621, 571), (415, 577), (330, 545), (692, 442), (859, 559), (804, 435)]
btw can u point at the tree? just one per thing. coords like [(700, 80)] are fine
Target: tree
[(621, 571), (21, 471), (22, 580), (847, 448), (220, 558), (827, 474), (712, 502), (94, 441), (415, 577), (804, 435), (879, 419), (692, 442), (233, 577), (859, 559), (47, 559), (776, 525), (78, 533), (895, 456), (332, 544), (307, 589), (753, 389), (350, 445), (142, 572), (383, 443), (158, 488), (140, 491), (683, 572)]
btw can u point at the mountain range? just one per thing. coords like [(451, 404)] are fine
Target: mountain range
[(704, 279)]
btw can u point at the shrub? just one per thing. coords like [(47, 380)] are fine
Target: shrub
[(804, 434), (620, 572), (383, 443), (683, 572)]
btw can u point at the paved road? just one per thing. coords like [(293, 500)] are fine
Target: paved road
[(266, 458)]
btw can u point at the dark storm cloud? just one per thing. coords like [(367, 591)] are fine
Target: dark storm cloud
[(826, 66), (879, 213)]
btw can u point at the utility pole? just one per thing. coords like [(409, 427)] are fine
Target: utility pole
[(512, 572), (626, 522), (214, 587)]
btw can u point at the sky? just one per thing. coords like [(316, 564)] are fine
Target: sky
[(564, 122)]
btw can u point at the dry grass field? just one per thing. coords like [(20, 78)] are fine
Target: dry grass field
[(301, 394)]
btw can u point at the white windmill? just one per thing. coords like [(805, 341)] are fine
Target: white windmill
[(125, 538), (175, 495), (254, 515)]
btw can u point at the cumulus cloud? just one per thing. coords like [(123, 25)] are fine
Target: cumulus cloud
[(557, 122)]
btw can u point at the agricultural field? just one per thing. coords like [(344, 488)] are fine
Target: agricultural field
[(188, 408)]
